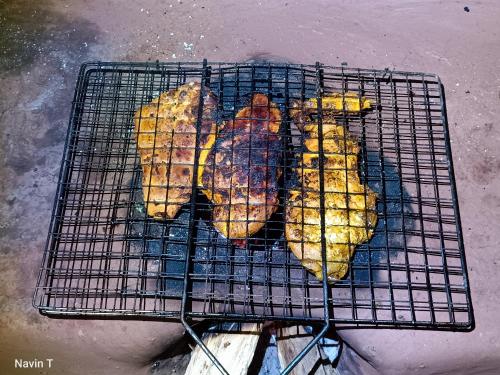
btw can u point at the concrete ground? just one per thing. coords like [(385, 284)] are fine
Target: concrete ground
[(42, 44)]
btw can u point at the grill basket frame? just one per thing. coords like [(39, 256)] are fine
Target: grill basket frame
[(101, 255)]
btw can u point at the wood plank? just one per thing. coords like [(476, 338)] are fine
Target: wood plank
[(290, 341), (233, 350)]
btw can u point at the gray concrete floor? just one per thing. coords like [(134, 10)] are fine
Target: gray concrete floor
[(42, 44)]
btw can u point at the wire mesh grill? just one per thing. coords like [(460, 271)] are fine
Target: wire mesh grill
[(106, 256)]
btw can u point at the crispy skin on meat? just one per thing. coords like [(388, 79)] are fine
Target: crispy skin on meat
[(350, 206), (165, 131), (241, 172), (332, 103)]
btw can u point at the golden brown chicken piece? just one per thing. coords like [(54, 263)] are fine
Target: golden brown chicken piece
[(242, 170), (332, 103), (165, 131), (350, 206)]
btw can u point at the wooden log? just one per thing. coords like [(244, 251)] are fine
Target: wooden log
[(233, 350), (290, 341)]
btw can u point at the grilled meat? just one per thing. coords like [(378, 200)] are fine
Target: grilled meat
[(350, 206), (165, 131), (333, 103), (241, 172)]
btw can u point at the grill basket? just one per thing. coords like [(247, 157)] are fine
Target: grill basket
[(106, 257)]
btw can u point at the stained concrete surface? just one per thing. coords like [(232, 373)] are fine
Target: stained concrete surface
[(42, 44)]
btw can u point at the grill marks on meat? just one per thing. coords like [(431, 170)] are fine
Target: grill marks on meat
[(241, 172), (350, 206), (165, 131)]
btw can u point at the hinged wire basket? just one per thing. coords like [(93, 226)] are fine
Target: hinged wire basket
[(106, 257)]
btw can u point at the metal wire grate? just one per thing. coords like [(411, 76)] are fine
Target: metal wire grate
[(105, 256)]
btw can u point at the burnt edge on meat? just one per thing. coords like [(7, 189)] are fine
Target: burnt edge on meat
[(242, 170)]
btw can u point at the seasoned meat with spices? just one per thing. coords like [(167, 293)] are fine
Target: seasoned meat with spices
[(241, 172), (165, 131), (350, 206), (334, 103)]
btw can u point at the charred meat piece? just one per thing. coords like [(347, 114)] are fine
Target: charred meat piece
[(241, 172), (165, 131), (350, 206)]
